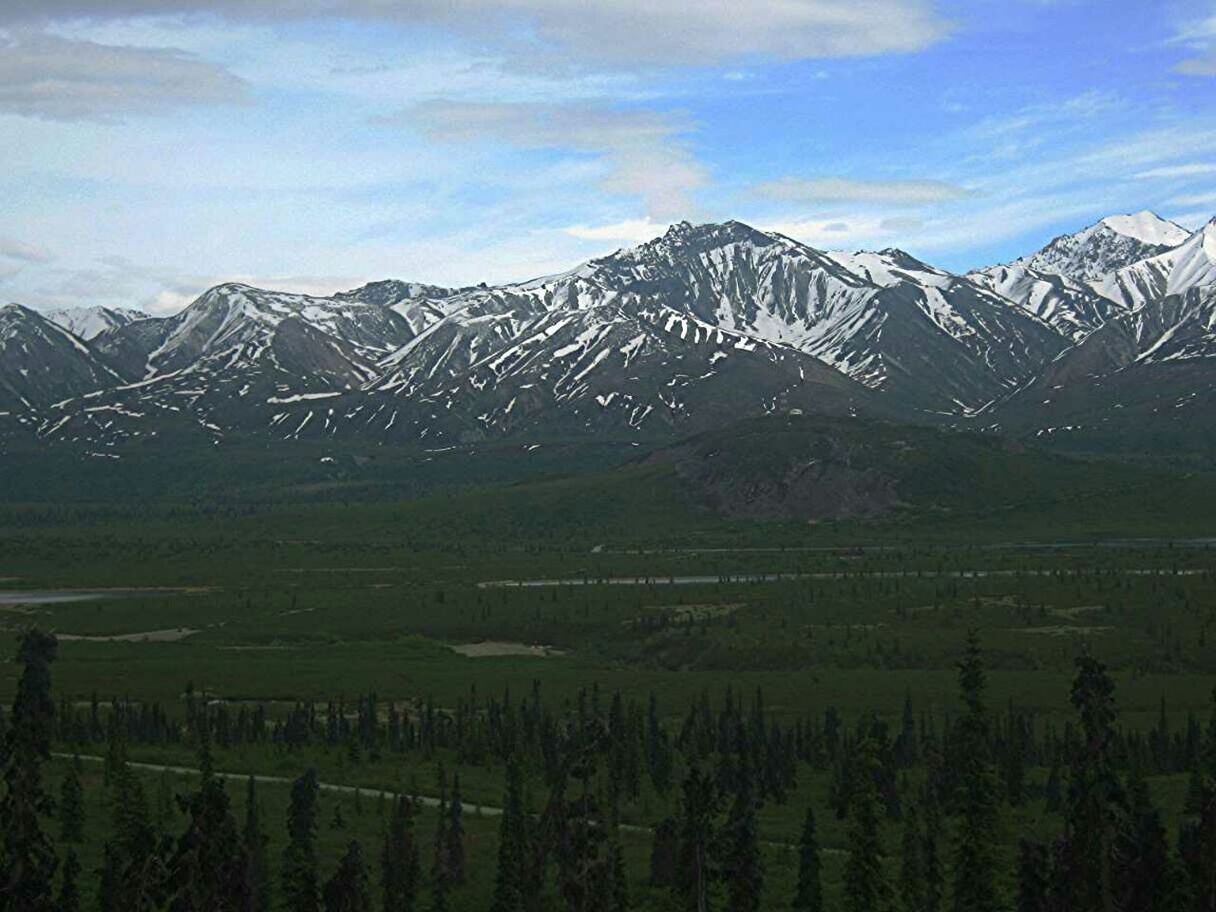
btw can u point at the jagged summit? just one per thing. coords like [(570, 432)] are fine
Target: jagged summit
[(1110, 244), (90, 322), (1147, 227)]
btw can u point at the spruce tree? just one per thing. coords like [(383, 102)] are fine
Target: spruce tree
[(696, 869), (935, 877), (618, 887), (742, 868), (71, 806), (1033, 880), (439, 894), (109, 878), (912, 887), (512, 847), (1197, 840), (454, 836), (865, 883), (976, 849), (166, 804), (208, 868), (347, 890), (69, 890), (1142, 851), (254, 843), (400, 868), (27, 858), (1096, 805), (299, 869), (138, 879), (809, 897), (664, 851)]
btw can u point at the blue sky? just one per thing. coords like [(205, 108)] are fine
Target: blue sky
[(151, 148)]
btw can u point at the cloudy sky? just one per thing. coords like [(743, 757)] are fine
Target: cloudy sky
[(150, 148)]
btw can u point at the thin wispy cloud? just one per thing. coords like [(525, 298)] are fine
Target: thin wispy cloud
[(635, 231), (609, 32), (1192, 169), (1200, 38), (11, 249), (843, 189), (46, 76), (645, 153)]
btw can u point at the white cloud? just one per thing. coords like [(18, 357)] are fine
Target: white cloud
[(1198, 199), (842, 189), (1201, 39), (56, 78), (634, 231), (900, 223), (23, 252), (628, 32), (1189, 170), (831, 232), (644, 152)]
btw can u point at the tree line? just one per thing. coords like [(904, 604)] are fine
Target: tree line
[(563, 848)]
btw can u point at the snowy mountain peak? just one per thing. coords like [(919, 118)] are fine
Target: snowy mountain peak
[(1194, 263), (1095, 253), (890, 267), (1147, 227), (90, 322), (711, 234), (389, 292)]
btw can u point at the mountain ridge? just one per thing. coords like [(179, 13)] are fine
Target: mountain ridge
[(673, 335)]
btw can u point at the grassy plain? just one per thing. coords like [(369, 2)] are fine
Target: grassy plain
[(288, 598)]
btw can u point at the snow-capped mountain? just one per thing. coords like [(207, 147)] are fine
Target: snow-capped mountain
[(1106, 246), (1147, 377), (1076, 282), (1071, 308), (90, 322), (681, 333), (41, 363)]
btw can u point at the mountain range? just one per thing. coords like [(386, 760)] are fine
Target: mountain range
[(1102, 339)]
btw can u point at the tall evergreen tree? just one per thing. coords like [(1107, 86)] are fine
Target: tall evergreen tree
[(912, 888), (1197, 841), (809, 896), (347, 890), (1034, 867), (454, 836), (977, 842), (664, 850), (696, 870), (299, 870), (935, 877), (1096, 805), (207, 871), (742, 868), (254, 843), (865, 882), (71, 806), (400, 867), (27, 858), (137, 858), (618, 887), (109, 878), (509, 887), (1143, 852), (69, 890)]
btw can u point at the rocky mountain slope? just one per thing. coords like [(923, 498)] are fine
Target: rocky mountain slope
[(88, 323), (42, 364), (700, 326)]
